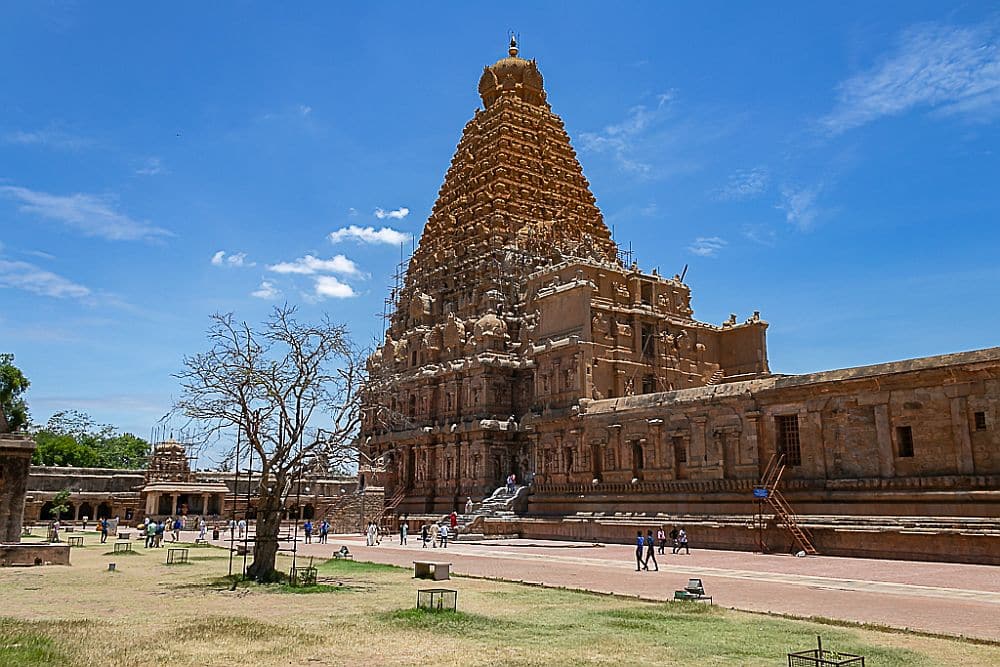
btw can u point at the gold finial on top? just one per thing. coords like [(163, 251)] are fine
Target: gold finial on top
[(513, 46)]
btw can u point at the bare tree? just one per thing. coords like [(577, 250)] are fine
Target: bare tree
[(277, 385)]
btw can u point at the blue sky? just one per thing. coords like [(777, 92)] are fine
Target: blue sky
[(833, 166)]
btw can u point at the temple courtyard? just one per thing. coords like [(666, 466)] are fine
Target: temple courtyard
[(515, 608)]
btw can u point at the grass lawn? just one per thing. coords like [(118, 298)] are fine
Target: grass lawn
[(148, 613)]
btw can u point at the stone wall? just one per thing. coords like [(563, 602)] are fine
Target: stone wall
[(15, 458), (703, 450)]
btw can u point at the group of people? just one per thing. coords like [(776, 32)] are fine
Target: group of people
[(644, 545), (153, 531), (373, 534), (437, 533), (235, 525), (323, 528)]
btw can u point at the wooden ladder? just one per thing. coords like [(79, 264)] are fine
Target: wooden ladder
[(786, 516)]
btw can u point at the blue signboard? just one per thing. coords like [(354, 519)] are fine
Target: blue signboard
[(760, 492)]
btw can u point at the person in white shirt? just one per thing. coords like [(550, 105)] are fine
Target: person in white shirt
[(444, 535), (242, 525)]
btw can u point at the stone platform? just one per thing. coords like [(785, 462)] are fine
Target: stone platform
[(33, 554)]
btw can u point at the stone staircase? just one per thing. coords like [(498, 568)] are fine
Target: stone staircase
[(500, 504)]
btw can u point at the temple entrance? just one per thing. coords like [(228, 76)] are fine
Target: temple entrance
[(596, 454), (86, 510), (104, 511)]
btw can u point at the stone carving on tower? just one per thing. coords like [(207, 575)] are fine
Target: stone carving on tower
[(516, 306)]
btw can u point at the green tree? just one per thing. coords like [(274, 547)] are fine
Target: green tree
[(13, 384), (62, 449), (73, 438), (123, 451), (60, 504)]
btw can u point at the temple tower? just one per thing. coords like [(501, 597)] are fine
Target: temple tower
[(516, 305)]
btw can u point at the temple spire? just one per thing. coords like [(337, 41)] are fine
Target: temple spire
[(513, 46)]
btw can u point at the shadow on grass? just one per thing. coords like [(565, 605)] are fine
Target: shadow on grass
[(121, 553), (236, 582)]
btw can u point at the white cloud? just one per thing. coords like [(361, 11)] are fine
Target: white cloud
[(352, 212), (799, 205), (22, 275), (330, 287), (310, 265), (761, 234), (954, 70), (236, 260), (707, 246), (92, 215), (151, 167), (745, 184), (369, 235), (267, 290), (619, 139), (47, 138), (397, 214), (305, 109)]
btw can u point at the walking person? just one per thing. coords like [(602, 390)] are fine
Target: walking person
[(232, 528), (307, 528), (161, 528), (649, 552), (673, 539), (423, 536), (682, 542), (150, 534), (661, 539), (444, 536), (324, 531), (404, 529), (435, 531), (104, 531), (468, 505), (639, 544), (175, 532), (242, 526), (202, 528)]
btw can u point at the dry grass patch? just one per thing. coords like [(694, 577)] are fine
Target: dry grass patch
[(364, 613)]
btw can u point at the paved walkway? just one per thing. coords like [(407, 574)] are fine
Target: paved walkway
[(954, 599)]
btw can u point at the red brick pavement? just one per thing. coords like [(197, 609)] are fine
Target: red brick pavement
[(946, 598)]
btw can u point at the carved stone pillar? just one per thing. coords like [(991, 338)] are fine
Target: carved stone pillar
[(697, 452)]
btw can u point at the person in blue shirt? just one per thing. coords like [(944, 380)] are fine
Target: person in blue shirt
[(308, 529), (650, 543), (639, 544)]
